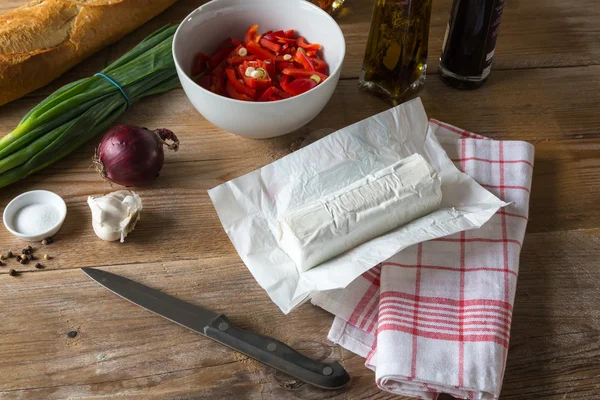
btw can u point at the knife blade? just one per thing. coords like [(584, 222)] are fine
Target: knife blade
[(218, 327)]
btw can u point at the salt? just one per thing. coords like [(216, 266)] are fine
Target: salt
[(34, 219)]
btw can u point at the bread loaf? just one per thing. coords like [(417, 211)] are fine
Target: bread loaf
[(44, 38)]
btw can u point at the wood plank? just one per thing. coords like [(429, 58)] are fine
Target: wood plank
[(534, 34), (554, 348)]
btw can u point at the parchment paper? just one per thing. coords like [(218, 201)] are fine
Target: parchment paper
[(248, 206)]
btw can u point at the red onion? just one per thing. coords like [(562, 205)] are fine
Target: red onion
[(131, 156)]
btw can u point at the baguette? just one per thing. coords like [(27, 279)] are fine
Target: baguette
[(42, 39)]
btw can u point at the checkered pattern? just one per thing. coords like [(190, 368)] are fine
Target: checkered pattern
[(435, 318)]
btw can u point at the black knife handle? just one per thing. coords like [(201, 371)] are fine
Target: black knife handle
[(277, 355)]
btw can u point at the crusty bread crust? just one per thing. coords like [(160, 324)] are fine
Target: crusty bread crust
[(42, 39)]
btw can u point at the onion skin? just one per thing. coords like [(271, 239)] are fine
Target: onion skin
[(129, 155)]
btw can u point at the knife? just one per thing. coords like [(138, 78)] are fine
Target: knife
[(219, 328)]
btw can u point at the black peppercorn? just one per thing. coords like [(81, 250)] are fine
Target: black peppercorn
[(19, 258), (49, 240), (29, 248), (26, 251), (9, 254), (39, 266), (72, 334), (12, 272)]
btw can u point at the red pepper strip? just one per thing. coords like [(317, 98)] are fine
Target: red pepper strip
[(235, 42), (267, 93), (274, 47), (257, 38), (225, 44), (249, 36), (319, 64), (259, 51), (282, 39), (204, 81), (302, 59), (302, 43), (281, 93), (200, 64), (290, 34), (272, 36), (269, 66), (237, 85), (219, 56), (283, 82), (311, 53), (216, 81), (302, 73), (238, 59), (274, 98), (300, 85), (284, 64), (234, 94), (284, 47)]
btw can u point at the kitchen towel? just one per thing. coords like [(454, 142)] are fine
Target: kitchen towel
[(435, 318)]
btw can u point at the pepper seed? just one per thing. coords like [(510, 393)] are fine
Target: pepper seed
[(46, 257), (12, 272), (44, 242)]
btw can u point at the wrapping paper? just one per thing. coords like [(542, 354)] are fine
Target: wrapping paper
[(249, 206)]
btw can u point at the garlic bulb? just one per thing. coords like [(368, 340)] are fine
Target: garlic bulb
[(115, 214)]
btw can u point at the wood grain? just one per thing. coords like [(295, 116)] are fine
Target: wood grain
[(123, 349), (545, 88)]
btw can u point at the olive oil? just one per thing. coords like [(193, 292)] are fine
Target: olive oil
[(395, 60), (331, 6)]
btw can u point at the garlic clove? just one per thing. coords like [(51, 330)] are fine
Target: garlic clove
[(115, 215)]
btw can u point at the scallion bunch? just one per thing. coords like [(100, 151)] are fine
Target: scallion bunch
[(80, 110)]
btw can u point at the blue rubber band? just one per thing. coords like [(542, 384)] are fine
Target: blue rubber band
[(117, 85)]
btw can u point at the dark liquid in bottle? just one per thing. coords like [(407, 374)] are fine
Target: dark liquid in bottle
[(470, 42)]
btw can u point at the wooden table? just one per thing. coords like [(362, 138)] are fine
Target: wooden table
[(545, 88)]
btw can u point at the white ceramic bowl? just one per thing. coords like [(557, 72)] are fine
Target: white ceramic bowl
[(30, 198), (216, 20)]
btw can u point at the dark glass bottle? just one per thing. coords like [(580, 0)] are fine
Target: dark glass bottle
[(470, 42)]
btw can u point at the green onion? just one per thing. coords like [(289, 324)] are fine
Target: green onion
[(315, 78), (80, 110)]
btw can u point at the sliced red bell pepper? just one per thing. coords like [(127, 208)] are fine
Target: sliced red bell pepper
[(302, 43), (200, 64), (235, 42), (250, 33), (225, 44), (284, 64), (238, 59), (272, 36), (300, 85), (283, 39), (319, 64), (274, 47), (302, 73), (259, 51), (269, 66), (204, 81), (234, 94), (311, 53), (217, 81), (302, 59), (267, 93), (258, 84), (219, 56), (283, 82), (237, 85), (290, 34), (281, 93)]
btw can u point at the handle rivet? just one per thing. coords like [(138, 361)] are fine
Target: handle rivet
[(271, 346), (223, 326), (327, 371)]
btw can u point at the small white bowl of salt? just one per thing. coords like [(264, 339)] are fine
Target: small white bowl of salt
[(35, 215)]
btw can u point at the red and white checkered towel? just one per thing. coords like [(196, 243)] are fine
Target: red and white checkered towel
[(435, 318)]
